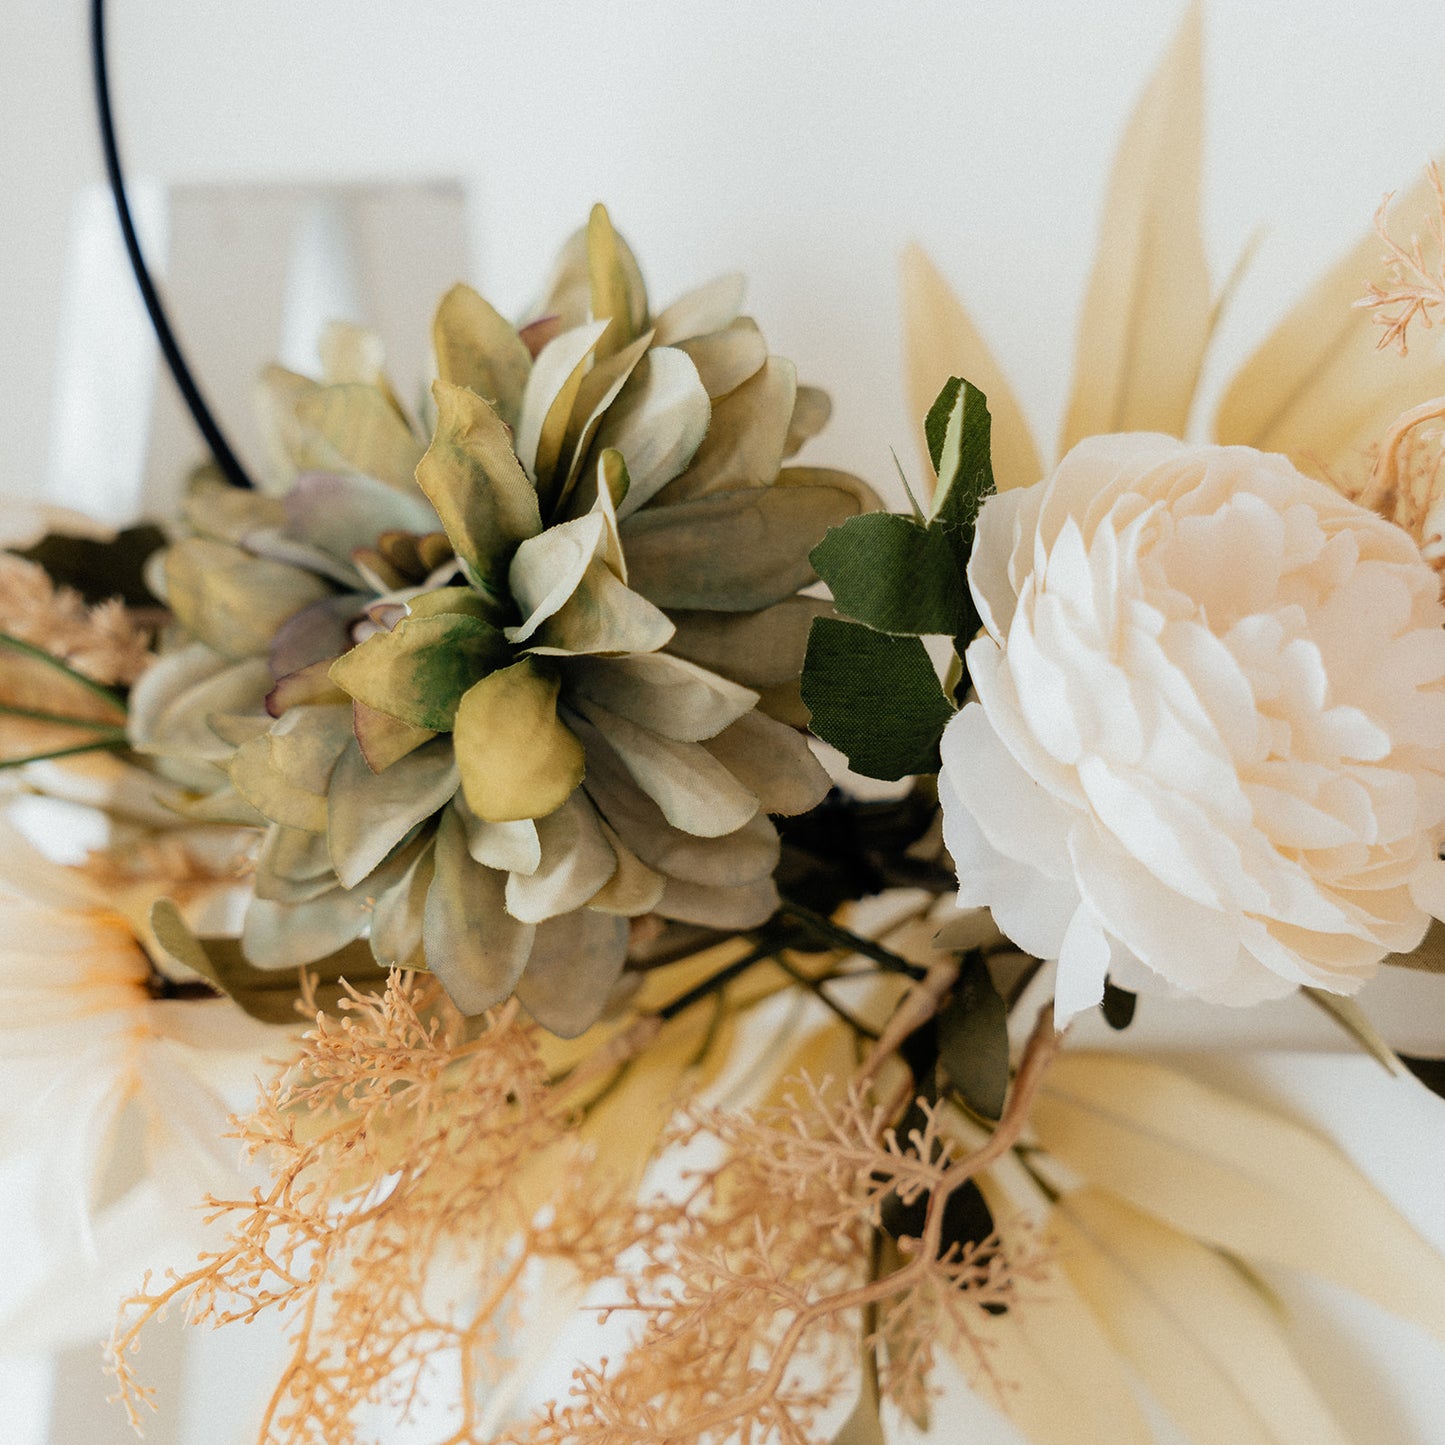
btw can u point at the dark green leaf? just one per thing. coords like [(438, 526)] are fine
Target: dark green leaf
[(895, 576), (876, 698), (957, 429), (973, 1040), (1118, 1006), (269, 995), (100, 570)]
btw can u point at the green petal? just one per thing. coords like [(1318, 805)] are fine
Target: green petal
[(419, 670), (480, 350), (548, 402), (510, 847), (614, 282), (365, 429), (231, 600), (575, 965), (603, 616), (517, 759), (473, 945), (666, 694), (548, 568), (711, 906), (398, 917), (575, 862), (478, 487), (384, 739)]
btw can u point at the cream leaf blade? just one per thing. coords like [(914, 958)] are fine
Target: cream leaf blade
[(1317, 389), (1146, 314), (1238, 1177), (941, 341), (1199, 1337)]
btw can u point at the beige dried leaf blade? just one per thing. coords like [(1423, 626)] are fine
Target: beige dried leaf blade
[(941, 341), (1199, 1337), (1049, 1365), (1318, 388), (1147, 313), (1236, 1176)]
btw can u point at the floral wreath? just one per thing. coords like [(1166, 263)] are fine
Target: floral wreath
[(491, 766)]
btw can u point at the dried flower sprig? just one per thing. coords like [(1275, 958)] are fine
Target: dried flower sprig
[(1415, 289), (405, 1141), (769, 1266)]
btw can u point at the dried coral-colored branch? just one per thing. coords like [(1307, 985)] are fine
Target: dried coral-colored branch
[(1415, 290)]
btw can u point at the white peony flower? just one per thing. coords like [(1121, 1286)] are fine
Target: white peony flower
[(1208, 735)]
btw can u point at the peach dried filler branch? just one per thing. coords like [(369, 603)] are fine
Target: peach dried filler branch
[(405, 1135), (768, 1268), (1414, 293)]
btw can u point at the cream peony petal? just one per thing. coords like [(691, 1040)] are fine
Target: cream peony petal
[(940, 342), (1147, 313), (473, 945)]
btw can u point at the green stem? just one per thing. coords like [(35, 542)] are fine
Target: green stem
[(28, 649), (816, 987), (118, 741), (842, 937), (720, 979), (64, 720)]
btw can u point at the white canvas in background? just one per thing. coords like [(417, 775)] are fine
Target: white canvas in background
[(803, 143)]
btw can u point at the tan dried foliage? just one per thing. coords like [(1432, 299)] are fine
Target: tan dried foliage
[(754, 1294), (409, 1151)]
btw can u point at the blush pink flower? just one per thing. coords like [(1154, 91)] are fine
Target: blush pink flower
[(1209, 741)]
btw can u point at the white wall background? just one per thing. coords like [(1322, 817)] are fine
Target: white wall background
[(803, 141)]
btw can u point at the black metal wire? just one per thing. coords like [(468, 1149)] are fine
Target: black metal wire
[(226, 459)]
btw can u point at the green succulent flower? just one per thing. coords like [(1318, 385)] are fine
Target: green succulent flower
[(496, 693)]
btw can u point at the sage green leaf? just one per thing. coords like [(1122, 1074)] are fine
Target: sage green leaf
[(893, 575), (480, 350), (576, 962), (365, 429), (306, 743), (670, 696), (337, 513), (772, 761), (811, 410), (595, 397), (758, 649), (308, 686), (603, 616), (447, 602), (419, 670), (231, 600), (703, 311), (517, 758), (616, 288), (876, 698), (368, 813), (384, 739), (293, 866), (510, 847), (746, 438), (695, 792), (213, 508), (548, 400), (473, 945), (711, 906), (257, 780), (399, 914), (634, 889), (957, 430), (270, 995), (548, 568), (575, 861), (973, 1040), (172, 704), (743, 856), (475, 482), (657, 422), (287, 935), (736, 551), (727, 358)]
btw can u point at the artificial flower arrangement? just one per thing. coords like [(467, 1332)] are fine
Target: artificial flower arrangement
[(463, 770)]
